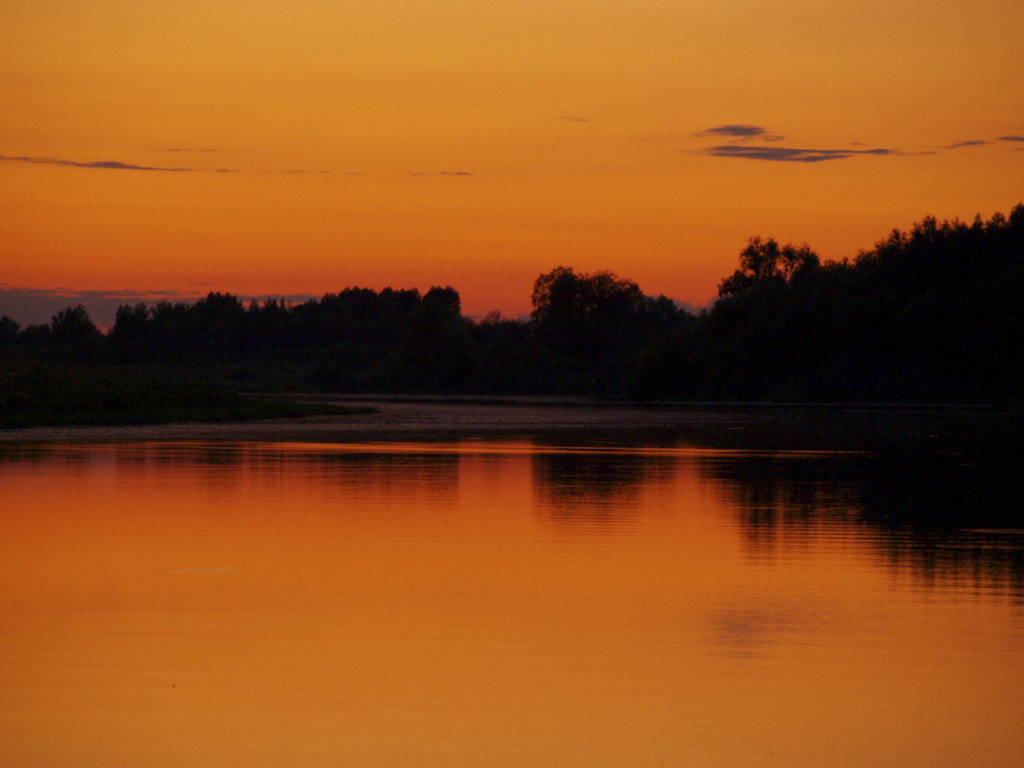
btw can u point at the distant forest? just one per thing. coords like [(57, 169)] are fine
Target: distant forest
[(935, 314)]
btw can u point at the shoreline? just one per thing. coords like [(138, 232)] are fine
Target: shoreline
[(564, 419)]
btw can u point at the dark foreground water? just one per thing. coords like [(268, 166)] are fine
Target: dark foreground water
[(514, 603)]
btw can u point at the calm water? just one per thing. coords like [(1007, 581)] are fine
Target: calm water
[(504, 604)]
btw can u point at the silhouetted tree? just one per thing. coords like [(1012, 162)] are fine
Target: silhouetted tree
[(8, 331), (590, 322), (75, 334), (764, 261), (447, 298), (435, 353), (507, 357), (34, 337), (218, 327), (936, 313), (576, 311), (131, 335), (171, 332)]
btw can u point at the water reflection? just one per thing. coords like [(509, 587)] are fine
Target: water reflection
[(747, 630), (507, 604), (581, 492), (945, 519)]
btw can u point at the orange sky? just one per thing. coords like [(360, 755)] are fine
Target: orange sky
[(411, 143)]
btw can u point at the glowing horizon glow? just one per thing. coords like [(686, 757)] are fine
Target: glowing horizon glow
[(271, 148)]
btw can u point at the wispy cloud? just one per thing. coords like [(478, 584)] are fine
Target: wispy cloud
[(187, 149), (737, 131), (789, 154), (754, 142), (102, 164), (439, 173), (962, 144), (740, 132), (115, 165), (573, 119), (1011, 138), (296, 170)]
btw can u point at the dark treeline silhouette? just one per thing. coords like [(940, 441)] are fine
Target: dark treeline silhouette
[(933, 314)]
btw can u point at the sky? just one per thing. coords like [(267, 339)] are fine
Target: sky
[(270, 148)]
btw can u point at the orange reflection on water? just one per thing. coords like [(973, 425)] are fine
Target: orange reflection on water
[(467, 604)]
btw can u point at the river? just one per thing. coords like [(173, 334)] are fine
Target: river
[(521, 601)]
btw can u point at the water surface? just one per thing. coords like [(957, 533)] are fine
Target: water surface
[(512, 603)]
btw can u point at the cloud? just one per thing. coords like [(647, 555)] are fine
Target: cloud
[(103, 164), (187, 149), (295, 170), (119, 166), (1011, 138), (789, 154), (740, 131), (961, 144), (573, 119), (748, 142), (439, 173)]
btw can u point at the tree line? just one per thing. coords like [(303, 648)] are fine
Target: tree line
[(932, 314)]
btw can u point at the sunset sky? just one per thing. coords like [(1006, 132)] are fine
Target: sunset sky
[(285, 148)]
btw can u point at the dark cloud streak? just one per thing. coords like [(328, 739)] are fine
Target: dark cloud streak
[(439, 173), (114, 165), (962, 144), (790, 154), (739, 131), (102, 164)]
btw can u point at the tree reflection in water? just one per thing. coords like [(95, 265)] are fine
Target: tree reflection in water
[(949, 517)]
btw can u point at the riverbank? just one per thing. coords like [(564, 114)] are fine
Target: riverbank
[(729, 425), (63, 395)]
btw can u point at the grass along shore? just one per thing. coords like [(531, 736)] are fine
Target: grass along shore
[(48, 395)]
